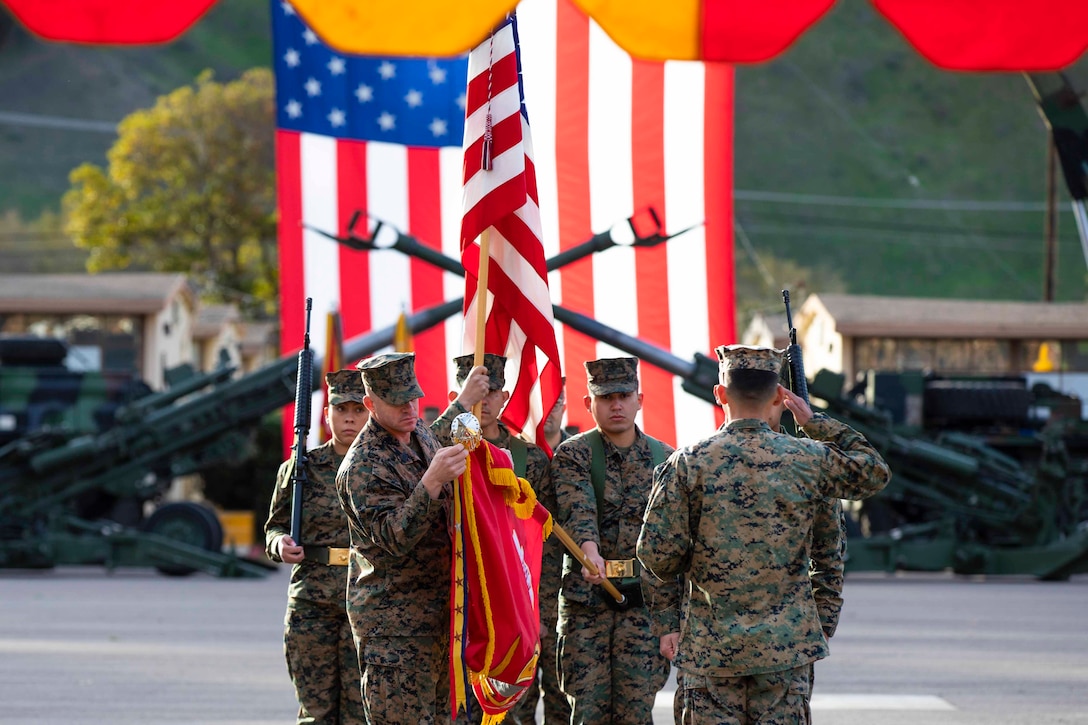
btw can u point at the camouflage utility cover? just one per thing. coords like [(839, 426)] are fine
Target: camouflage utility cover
[(345, 386), (392, 377), (612, 375), (747, 357), (496, 369)]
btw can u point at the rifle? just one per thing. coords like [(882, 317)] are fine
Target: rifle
[(794, 360), (304, 380)]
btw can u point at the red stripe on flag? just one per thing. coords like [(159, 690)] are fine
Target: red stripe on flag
[(572, 172), (351, 189), (426, 225), (292, 295), (718, 180), (519, 324), (505, 135), (651, 265), (508, 196)]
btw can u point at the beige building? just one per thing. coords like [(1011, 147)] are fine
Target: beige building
[(142, 322), (855, 333)]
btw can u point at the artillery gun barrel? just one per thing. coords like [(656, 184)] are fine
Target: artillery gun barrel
[(370, 342), (139, 415), (139, 408), (631, 345), (597, 243), (698, 376), (936, 456)]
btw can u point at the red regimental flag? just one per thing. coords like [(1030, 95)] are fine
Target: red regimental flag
[(500, 206), (495, 615)]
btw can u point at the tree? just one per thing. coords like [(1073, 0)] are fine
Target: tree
[(190, 187)]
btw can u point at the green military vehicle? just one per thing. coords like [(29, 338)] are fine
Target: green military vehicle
[(86, 458)]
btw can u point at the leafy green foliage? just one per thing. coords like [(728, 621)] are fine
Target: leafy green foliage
[(189, 187)]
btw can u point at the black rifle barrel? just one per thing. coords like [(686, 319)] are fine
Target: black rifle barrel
[(303, 392), (796, 362)]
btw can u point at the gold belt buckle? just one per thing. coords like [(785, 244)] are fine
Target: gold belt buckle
[(338, 556), (619, 568)]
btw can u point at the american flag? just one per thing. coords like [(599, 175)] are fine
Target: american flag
[(611, 136), (500, 201), (380, 136), (614, 136)]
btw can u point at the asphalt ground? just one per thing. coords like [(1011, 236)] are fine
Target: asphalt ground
[(80, 645)]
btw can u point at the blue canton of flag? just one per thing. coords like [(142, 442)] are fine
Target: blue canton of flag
[(409, 101)]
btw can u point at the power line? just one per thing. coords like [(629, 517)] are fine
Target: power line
[(777, 197), (68, 124)]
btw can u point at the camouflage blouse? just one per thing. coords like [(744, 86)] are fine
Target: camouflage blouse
[(629, 474), (398, 573), (323, 524), (733, 514)]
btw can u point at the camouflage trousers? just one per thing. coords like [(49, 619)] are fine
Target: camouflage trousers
[(610, 664), (808, 698), (774, 698), (322, 662), (405, 680), (546, 683)]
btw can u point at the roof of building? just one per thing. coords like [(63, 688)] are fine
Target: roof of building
[(210, 320), (104, 293), (259, 336), (874, 316)]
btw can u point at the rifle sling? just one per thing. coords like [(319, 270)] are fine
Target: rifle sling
[(519, 454), (598, 467)]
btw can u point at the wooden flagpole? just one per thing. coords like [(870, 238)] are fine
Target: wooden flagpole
[(477, 360), (481, 306)]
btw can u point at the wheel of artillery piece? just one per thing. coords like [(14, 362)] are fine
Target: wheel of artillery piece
[(189, 523)]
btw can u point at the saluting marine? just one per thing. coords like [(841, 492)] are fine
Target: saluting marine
[(733, 516)]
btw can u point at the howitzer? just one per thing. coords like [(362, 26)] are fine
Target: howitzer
[(698, 376), (642, 229), (957, 503), (71, 497), (303, 396)]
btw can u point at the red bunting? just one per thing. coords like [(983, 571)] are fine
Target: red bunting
[(992, 35), (108, 22), (976, 35), (740, 31)]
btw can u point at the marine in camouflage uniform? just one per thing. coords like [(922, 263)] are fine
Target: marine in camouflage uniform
[(827, 566), (532, 464), (317, 642), (394, 486), (733, 515), (610, 662)]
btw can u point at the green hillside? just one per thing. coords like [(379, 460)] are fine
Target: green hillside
[(60, 82), (845, 148), (853, 111)]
